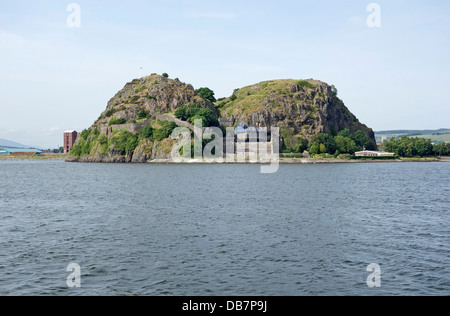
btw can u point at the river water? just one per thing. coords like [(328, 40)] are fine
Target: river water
[(224, 229)]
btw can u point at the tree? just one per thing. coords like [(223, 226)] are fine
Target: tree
[(345, 133), (146, 132), (315, 149), (334, 90), (345, 145), (323, 149), (363, 140), (207, 94), (327, 140), (194, 111), (165, 75), (300, 146), (442, 149)]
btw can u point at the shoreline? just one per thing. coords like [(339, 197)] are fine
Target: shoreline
[(308, 161), (34, 157), (286, 161)]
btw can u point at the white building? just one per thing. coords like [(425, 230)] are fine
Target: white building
[(372, 153)]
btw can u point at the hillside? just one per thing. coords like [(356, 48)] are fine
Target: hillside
[(437, 136), (9, 143), (138, 120), (301, 108)]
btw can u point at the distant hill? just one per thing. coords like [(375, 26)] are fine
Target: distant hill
[(8, 143), (436, 136)]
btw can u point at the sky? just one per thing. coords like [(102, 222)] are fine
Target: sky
[(57, 75)]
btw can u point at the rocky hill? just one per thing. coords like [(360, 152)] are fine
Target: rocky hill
[(138, 120), (301, 108)]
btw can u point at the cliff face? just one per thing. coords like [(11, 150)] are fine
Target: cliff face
[(138, 120), (301, 109), (154, 94)]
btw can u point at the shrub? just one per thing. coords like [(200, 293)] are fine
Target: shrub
[(85, 134), (207, 94), (143, 114), (125, 142), (306, 84), (165, 75), (139, 89), (146, 132), (116, 121), (195, 111), (165, 131), (110, 112)]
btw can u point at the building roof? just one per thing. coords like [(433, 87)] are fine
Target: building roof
[(69, 132)]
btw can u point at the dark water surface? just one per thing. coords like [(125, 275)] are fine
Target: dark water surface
[(224, 229)]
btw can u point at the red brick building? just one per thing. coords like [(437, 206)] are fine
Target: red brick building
[(69, 140)]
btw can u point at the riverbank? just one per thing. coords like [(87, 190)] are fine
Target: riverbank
[(302, 161), (67, 158), (33, 157), (318, 161)]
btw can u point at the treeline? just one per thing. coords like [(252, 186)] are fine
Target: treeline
[(344, 142), (415, 147)]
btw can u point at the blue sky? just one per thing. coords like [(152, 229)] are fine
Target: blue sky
[(54, 78)]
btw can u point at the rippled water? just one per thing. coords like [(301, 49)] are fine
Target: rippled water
[(224, 229)]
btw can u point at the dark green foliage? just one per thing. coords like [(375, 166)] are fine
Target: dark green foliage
[(334, 90), (233, 98), (165, 75), (143, 114), (110, 113), (165, 131), (192, 120), (146, 132), (125, 142), (327, 141), (314, 149), (410, 147), (362, 140), (442, 149), (300, 146), (116, 121), (345, 145), (345, 142), (207, 94), (195, 111)]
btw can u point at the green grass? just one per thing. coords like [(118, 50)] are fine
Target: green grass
[(437, 138)]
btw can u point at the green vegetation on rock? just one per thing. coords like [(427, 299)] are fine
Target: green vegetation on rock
[(308, 113)]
